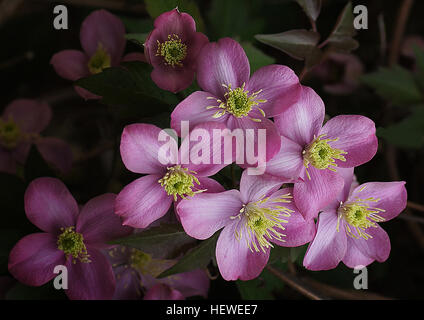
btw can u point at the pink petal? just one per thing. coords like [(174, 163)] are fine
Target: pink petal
[(392, 197), (56, 152), (197, 41), (280, 87), (211, 185), (49, 205), (128, 285), (172, 79), (70, 64), (356, 136), (142, 202), (102, 27), (98, 223), (234, 258), (85, 94), (191, 283), (91, 281), (287, 164), (354, 257), (347, 175), (315, 194), (329, 246), (175, 22), (222, 62), (302, 121), (7, 163), (297, 230), (33, 259), (205, 213), (255, 187), (193, 109), (163, 292), (32, 116), (140, 149)]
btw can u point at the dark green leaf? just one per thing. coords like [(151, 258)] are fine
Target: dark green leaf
[(130, 86), (36, 166), (299, 44), (137, 25), (395, 84), (419, 60), (312, 8), (256, 57), (197, 258), (279, 254), (157, 240), (341, 38), (157, 7)]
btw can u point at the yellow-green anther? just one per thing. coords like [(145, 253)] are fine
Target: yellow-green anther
[(99, 60), (179, 181), (172, 50), (10, 134), (72, 244)]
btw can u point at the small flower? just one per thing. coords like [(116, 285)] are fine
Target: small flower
[(150, 197), (103, 41), (348, 228), (20, 127), (71, 237), (253, 219), (136, 275), (311, 153), (172, 48), (234, 99)]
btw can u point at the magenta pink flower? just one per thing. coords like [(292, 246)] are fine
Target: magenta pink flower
[(102, 37), (172, 48), (253, 219), (136, 274), (230, 97), (348, 229), (311, 152), (150, 197), (20, 127), (71, 237)]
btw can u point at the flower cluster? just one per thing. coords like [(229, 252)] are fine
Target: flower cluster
[(306, 192)]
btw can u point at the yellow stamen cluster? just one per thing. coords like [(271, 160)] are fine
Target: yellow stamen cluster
[(172, 50), (72, 244), (260, 220), (238, 102), (99, 60), (179, 181), (321, 155), (10, 134), (359, 216)]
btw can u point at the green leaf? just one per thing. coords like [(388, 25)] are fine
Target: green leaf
[(36, 166), (137, 25), (341, 38), (257, 58), (197, 258), (279, 254), (137, 38), (299, 44), (157, 7), (312, 8), (394, 84), (166, 238), (130, 86), (409, 133), (419, 59)]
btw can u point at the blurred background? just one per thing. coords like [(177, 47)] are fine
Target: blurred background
[(383, 78)]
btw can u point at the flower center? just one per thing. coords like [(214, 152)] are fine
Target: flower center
[(321, 155), (179, 181), (10, 134), (262, 219), (359, 216), (172, 50), (238, 102), (72, 244), (140, 260), (99, 61)]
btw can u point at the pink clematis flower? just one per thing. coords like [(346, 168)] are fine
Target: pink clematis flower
[(102, 37), (348, 229), (172, 48), (311, 152), (136, 273), (71, 237), (150, 197), (253, 219), (230, 97), (20, 127)]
